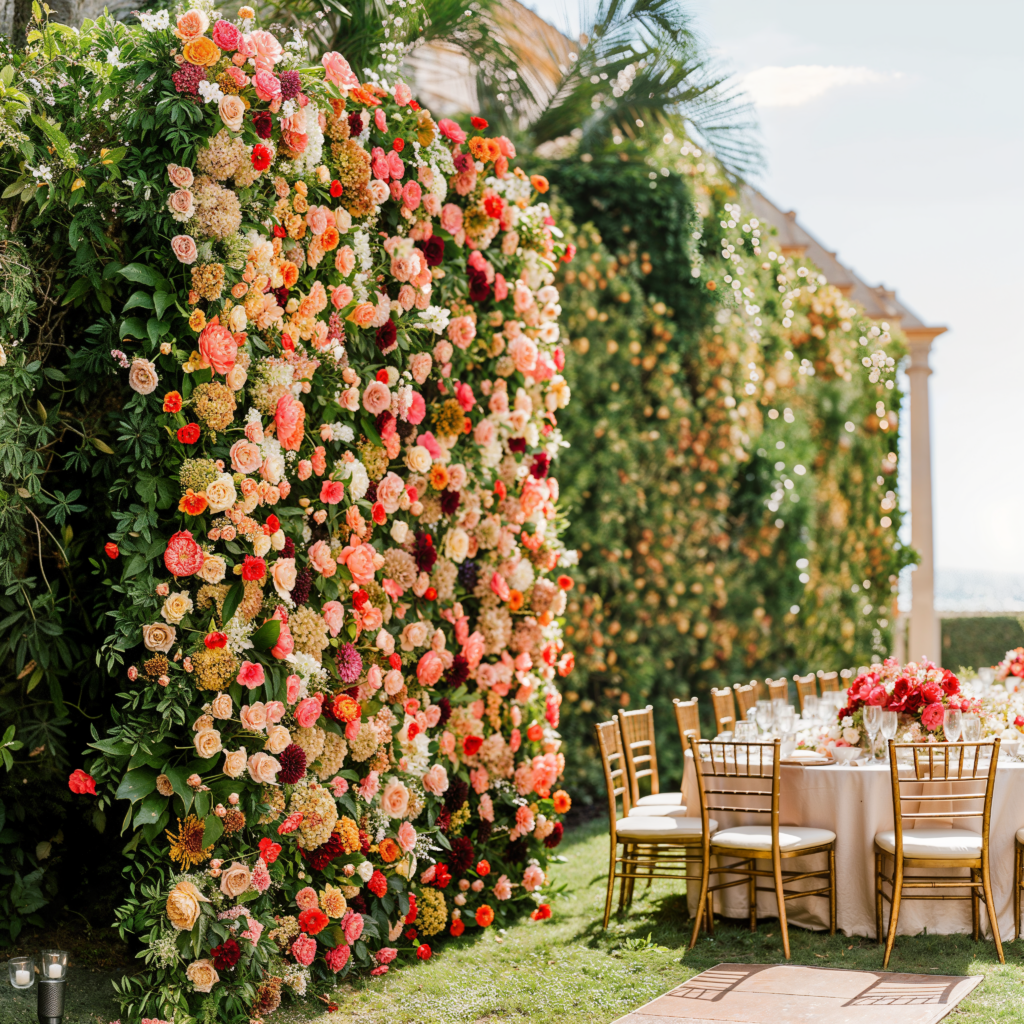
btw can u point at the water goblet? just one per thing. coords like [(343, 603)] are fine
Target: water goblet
[(810, 709), (872, 723), (764, 714), (971, 728), (785, 719), (952, 723), (890, 723)]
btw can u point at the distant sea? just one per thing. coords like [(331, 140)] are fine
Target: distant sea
[(971, 590)]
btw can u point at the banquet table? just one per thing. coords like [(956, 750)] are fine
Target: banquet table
[(855, 802)]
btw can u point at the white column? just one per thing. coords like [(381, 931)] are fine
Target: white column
[(925, 633)]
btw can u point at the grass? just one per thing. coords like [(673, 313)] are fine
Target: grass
[(567, 971)]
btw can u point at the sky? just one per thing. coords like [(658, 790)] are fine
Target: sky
[(896, 131)]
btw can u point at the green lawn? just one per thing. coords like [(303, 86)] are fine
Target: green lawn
[(567, 971)]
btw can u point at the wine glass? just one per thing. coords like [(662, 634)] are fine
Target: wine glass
[(764, 714), (745, 732), (872, 723), (810, 709), (890, 723), (785, 719), (971, 728), (952, 723)]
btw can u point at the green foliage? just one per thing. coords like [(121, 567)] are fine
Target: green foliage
[(978, 640)]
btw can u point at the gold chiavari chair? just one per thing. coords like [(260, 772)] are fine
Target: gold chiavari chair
[(725, 708), (778, 689), (746, 698), (641, 754), (829, 681), (935, 770), (659, 846), (806, 686), (745, 778), (687, 720)]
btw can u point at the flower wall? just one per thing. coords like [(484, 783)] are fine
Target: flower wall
[(733, 485), (333, 571)]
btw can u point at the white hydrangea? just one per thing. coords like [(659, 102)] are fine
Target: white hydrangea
[(359, 479)]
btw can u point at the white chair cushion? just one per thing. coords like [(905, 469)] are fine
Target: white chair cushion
[(660, 828), (759, 837), (661, 800), (933, 843), (648, 811)]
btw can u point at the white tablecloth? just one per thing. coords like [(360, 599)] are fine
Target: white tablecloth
[(856, 803)]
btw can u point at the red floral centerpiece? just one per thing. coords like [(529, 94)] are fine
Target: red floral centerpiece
[(919, 692), (1011, 669)]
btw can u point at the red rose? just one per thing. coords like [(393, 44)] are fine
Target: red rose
[(378, 514), (423, 952), (485, 916), (377, 884), (189, 433), (430, 594), (570, 252), (483, 869), (411, 916), (458, 927), (111, 549), (566, 582), (877, 697), (398, 145), (269, 851), (932, 693), (1019, 721), (950, 683), (542, 913), (279, 232), (273, 523), (172, 402), (214, 641), (81, 782), (313, 920), (478, 123), (412, 731), (535, 733), (395, 661), (471, 745), (260, 157), (441, 876), (253, 568), (336, 188), (413, 105), (359, 599)]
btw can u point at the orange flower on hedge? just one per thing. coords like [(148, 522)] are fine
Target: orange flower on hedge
[(197, 320), (329, 240), (172, 401), (539, 182), (202, 51), (562, 801), (438, 477), (484, 916), (483, 149), (290, 273), (515, 600), (388, 850), (193, 504)]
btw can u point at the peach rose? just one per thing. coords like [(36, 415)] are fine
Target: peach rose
[(283, 574), (289, 417), (181, 177), (221, 706), (184, 248), (237, 375), (461, 331), (414, 635), (235, 880), (202, 973), (234, 762), (214, 569), (232, 111), (245, 457), (182, 906), (363, 315), (338, 70), (394, 801), (158, 636), (263, 768), (191, 24), (429, 668), (278, 737), (142, 377), (207, 742), (217, 346), (253, 717), (181, 204), (436, 780), (390, 491), (268, 50), (376, 397), (334, 615), (202, 52), (321, 560), (361, 561)]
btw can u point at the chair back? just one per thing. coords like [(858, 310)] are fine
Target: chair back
[(746, 697), (806, 686), (778, 689), (742, 778), (926, 780), (616, 779), (724, 707), (687, 720), (639, 749), (829, 681)]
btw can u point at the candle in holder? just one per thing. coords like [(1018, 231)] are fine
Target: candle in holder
[(22, 971), (22, 978), (55, 963), (54, 970)]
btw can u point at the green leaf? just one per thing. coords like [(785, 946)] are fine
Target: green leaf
[(233, 599), (116, 748), (181, 788), (214, 829), (139, 273), (136, 785), (151, 809), (139, 298), (161, 300), (133, 326), (57, 138), (266, 636)]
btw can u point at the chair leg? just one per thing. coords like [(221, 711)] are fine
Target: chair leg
[(702, 900), (611, 889), (1016, 886), (781, 897), (752, 901), (974, 905), (832, 888), (993, 921), (878, 896), (631, 881), (894, 909)]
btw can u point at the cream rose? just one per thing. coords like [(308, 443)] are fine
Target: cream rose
[(143, 376), (283, 575), (236, 377), (207, 742), (414, 635), (237, 322), (235, 880), (254, 718), (176, 607), (456, 545), (418, 459), (260, 545), (202, 974), (231, 110), (278, 737), (157, 636), (214, 569), (181, 204), (221, 706), (394, 800), (234, 762), (184, 248), (183, 905), (263, 768), (221, 494)]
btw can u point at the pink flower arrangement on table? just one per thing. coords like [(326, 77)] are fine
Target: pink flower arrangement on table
[(919, 692), (1010, 670)]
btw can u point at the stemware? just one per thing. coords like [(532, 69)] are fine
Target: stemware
[(872, 723), (952, 723), (785, 719), (745, 732), (971, 728), (764, 714), (810, 709), (890, 723)]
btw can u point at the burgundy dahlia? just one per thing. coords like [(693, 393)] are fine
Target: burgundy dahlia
[(424, 552), (479, 289), (291, 84), (554, 837), (263, 123), (350, 663), (446, 710), (450, 501), (458, 673), (355, 124), (288, 551), (226, 955), (433, 250), (541, 462), (483, 831), (293, 764), (319, 858), (517, 444), (387, 337), (303, 585), (462, 853), (456, 794)]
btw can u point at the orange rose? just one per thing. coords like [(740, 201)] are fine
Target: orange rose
[(562, 801), (484, 916), (388, 850), (202, 51), (329, 239), (363, 314)]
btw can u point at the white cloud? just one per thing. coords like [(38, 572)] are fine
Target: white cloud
[(795, 86)]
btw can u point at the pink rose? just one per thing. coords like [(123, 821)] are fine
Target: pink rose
[(451, 218), (877, 697), (321, 560), (450, 130), (406, 837), (419, 366), (500, 287), (245, 457), (317, 219), (464, 396), (338, 70), (267, 86), (436, 780), (524, 353), (225, 35), (345, 263), (376, 398), (394, 800), (533, 878), (217, 347), (307, 712), (411, 195), (184, 248), (181, 177), (390, 491), (361, 561), (474, 648), (250, 675), (352, 926), (429, 668), (932, 716), (289, 417), (268, 51), (285, 643), (417, 410), (263, 768), (334, 615), (332, 492), (283, 574), (253, 718), (294, 684), (275, 711), (461, 331)]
